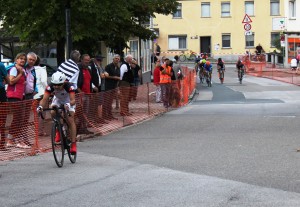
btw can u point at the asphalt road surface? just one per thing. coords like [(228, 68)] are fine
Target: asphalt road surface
[(233, 145)]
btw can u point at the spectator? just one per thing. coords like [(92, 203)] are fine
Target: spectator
[(137, 75), (30, 88), (157, 49), (177, 68), (156, 80), (3, 113), (98, 79), (298, 60), (259, 49), (15, 93), (41, 83), (30, 91), (165, 81), (112, 77), (126, 78), (70, 68), (84, 85)]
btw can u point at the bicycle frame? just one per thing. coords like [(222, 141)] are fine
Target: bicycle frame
[(59, 147)]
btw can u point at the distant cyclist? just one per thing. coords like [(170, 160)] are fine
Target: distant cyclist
[(208, 71), (200, 68), (64, 94), (221, 69), (241, 70)]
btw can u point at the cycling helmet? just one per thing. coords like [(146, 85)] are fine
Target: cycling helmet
[(203, 61), (207, 63), (58, 78)]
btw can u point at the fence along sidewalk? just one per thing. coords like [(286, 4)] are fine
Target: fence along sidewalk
[(19, 120)]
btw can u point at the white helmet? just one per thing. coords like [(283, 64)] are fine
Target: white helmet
[(58, 78)]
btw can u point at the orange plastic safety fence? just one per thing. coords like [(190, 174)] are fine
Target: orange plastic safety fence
[(24, 133), (271, 71)]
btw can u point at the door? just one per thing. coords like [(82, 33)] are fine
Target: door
[(205, 45)]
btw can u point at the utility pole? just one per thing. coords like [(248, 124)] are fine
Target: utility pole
[(68, 29)]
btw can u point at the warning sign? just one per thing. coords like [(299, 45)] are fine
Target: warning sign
[(246, 19)]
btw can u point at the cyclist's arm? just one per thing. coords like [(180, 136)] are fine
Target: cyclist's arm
[(45, 99), (72, 99)]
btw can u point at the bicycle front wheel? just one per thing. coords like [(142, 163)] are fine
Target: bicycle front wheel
[(57, 145), (72, 157)]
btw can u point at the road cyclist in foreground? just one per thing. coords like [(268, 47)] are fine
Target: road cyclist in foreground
[(63, 94)]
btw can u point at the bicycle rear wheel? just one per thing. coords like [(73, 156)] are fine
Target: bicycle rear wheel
[(58, 147), (182, 58), (192, 57)]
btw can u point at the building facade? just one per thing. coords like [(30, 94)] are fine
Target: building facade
[(226, 28)]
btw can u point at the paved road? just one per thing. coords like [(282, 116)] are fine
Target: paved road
[(234, 145)]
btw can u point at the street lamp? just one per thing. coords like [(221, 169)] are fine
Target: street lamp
[(68, 29)]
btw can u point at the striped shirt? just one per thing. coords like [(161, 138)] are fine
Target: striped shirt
[(71, 70)]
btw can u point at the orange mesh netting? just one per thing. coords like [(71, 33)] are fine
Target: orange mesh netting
[(96, 114)]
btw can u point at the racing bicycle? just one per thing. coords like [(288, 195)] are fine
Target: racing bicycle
[(240, 75), (191, 56), (221, 75), (60, 128)]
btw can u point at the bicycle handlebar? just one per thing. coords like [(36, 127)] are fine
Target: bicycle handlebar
[(56, 109)]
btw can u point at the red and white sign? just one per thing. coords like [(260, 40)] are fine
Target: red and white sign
[(247, 27), (246, 19)]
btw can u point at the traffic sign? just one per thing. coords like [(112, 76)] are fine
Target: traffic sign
[(246, 19), (248, 33), (247, 27)]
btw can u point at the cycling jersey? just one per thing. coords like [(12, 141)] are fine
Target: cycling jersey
[(61, 96), (207, 68)]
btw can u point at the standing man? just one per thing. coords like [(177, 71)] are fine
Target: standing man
[(85, 86), (30, 88), (98, 79), (70, 68), (157, 49), (126, 77), (3, 109), (112, 77)]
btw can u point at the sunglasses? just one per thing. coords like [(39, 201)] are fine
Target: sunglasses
[(58, 84)]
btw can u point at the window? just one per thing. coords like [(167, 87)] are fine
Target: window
[(205, 9), (178, 13), (134, 48), (274, 4), (177, 42), (249, 8), (292, 9), (249, 40), (226, 41), (225, 9), (274, 38)]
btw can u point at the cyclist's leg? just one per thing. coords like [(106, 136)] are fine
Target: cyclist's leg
[(72, 125)]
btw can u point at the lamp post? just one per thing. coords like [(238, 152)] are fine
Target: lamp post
[(68, 29)]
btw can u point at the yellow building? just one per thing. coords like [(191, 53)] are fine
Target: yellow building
[(221, 27)]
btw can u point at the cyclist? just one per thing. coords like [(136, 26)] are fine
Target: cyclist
[(200, 68), (241, 70), (221, 68), (208, 69), (64, 94)]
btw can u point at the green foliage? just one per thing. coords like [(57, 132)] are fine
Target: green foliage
[(277, 44), (113, 22)]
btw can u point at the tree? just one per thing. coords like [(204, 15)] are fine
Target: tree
[(113, 22)]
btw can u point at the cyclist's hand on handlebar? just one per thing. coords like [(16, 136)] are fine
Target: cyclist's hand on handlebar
[(39, 109), (67, 106)]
